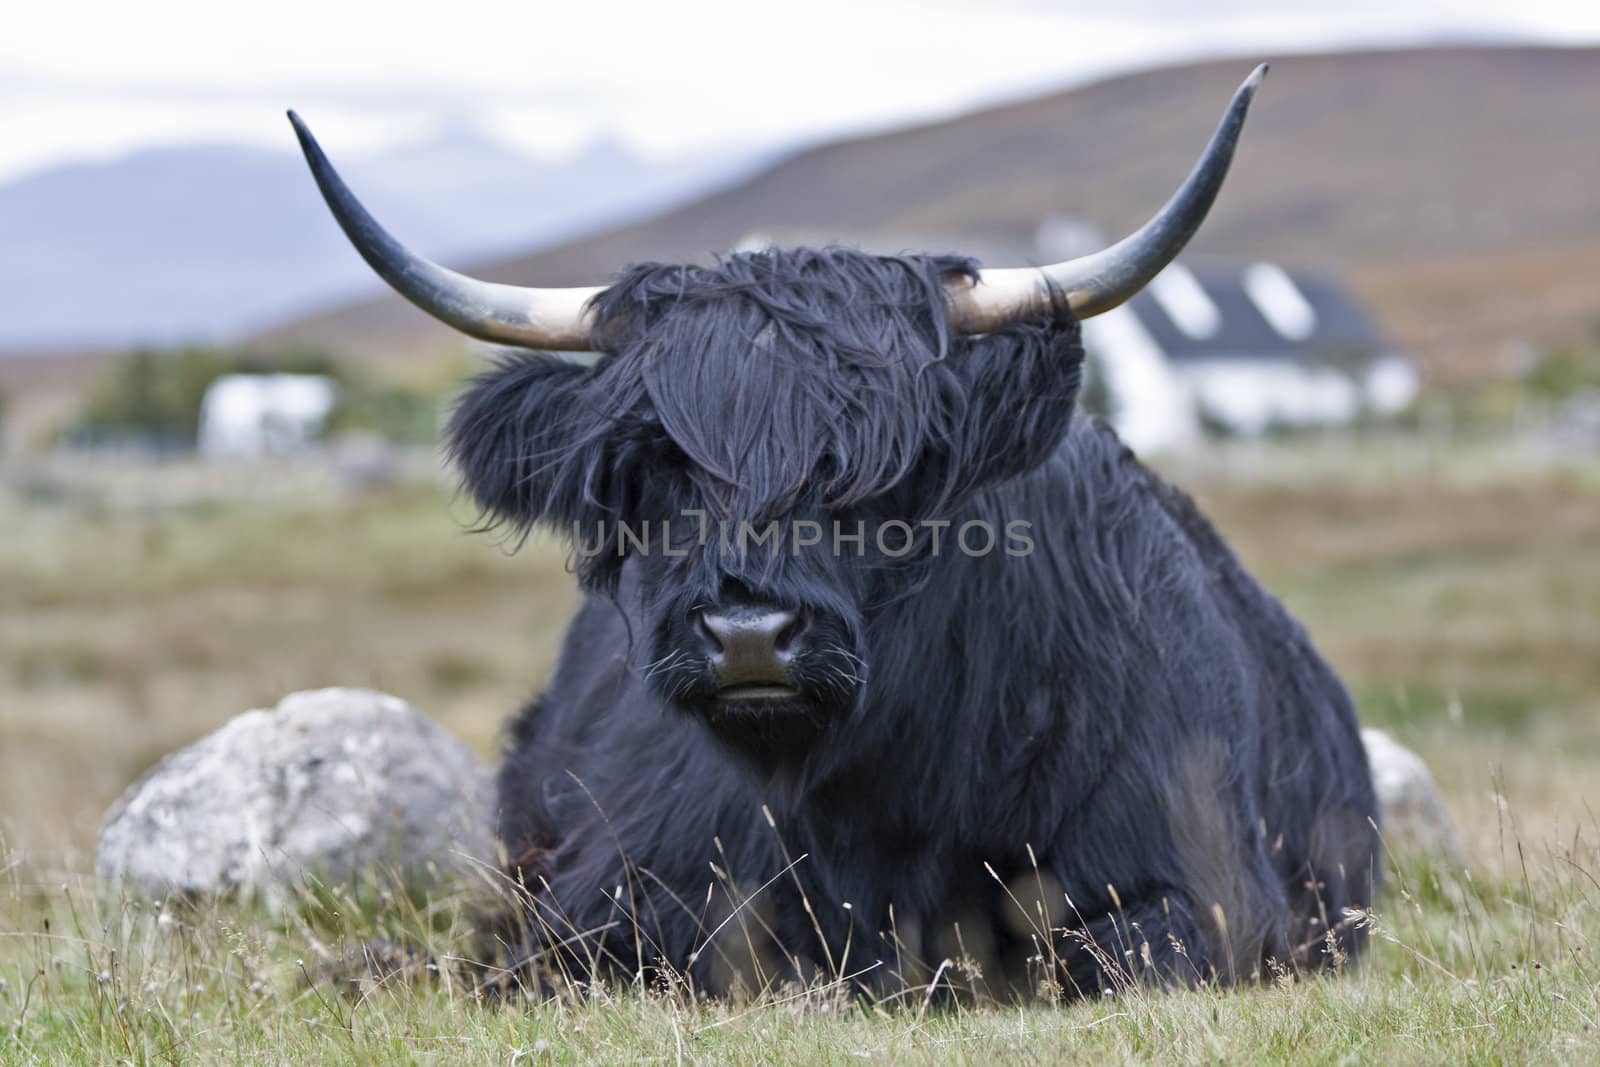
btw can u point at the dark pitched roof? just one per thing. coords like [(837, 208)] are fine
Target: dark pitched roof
[(1341, 326)]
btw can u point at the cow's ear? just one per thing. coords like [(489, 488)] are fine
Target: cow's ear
[(516, 437), (1021, 386)]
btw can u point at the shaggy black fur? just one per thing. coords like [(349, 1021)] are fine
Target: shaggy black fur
[(1111, 758)]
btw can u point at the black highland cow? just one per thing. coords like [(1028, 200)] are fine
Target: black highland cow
[(888, 655)]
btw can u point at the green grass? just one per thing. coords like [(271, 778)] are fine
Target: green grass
[(1463, 969), (1462, 605)]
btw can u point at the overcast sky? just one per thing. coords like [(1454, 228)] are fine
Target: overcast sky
[(95, 80)]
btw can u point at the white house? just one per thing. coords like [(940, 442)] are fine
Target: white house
[(1243, 347), (252, 415)]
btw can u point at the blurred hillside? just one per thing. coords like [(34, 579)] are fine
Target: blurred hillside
[(206, 242), (1459, 189)]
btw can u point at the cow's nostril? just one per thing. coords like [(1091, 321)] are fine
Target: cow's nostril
[(708, 635), (792, 632)]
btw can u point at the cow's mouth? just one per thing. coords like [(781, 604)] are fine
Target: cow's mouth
[(757, 693), (769, 721)]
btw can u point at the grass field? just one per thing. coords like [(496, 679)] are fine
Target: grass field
[(1460, 599)]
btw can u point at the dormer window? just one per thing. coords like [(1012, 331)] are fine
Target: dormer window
[(1184, 300), (1280, 301)]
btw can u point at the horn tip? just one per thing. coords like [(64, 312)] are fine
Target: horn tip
[(302, 133), (1256, 76)]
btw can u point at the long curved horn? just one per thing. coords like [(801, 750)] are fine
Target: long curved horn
[(1101, 280), (489, 311)]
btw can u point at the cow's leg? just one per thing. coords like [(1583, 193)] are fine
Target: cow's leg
[(1152, 940), (1330, 889), (1163, 938)]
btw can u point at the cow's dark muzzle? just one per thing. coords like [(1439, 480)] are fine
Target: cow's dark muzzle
[(751, 648)]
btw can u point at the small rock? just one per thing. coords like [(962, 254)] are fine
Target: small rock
[(1412, 814), (338, 783)]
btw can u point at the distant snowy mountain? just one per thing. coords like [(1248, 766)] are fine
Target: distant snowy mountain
[(209, 242)]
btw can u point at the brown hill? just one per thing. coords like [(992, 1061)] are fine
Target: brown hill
[(1459, 188)]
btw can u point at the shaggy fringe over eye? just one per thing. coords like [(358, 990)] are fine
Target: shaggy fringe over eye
[(766, 382)]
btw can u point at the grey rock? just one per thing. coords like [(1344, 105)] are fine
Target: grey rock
[(1414, 818), (339, 784)]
